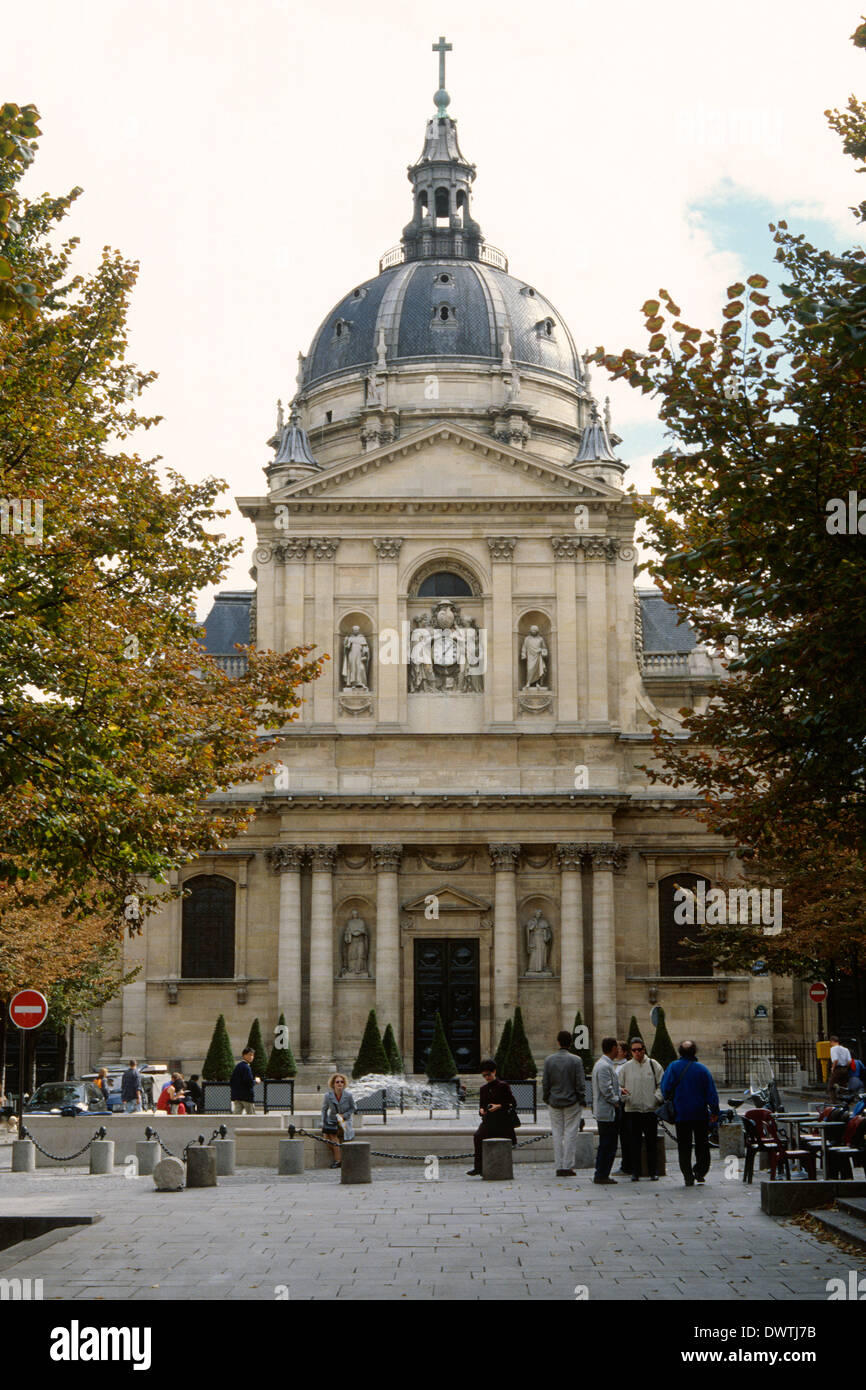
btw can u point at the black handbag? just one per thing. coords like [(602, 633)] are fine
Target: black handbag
[(666, 1110)]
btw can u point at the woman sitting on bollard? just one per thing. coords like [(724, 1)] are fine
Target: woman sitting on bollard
[(338, 1107), (498, 1110)]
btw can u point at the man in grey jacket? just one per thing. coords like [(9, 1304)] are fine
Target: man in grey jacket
[(563, 1090), (606, 1096)]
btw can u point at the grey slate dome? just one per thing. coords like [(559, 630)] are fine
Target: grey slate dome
[(407, 301)]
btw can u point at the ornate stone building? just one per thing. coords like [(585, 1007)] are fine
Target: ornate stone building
[(459, 822)]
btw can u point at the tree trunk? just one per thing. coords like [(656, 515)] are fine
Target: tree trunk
[(62, 1053), (3, 1035)]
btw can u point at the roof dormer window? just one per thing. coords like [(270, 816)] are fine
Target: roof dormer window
[(444, 279), (359, 293), (546, 328), (445, 316), (341, 328)]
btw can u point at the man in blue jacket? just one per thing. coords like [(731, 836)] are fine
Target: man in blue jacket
[(690, 1086)]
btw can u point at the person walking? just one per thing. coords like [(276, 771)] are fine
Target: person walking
[(563, 1090), (688, 1084), (497, 1108), (840, 1061), (104, 1086), (641, 1078), (606, 1097), (130, 1089), (338, 1107), (196, 1094), (243, 1084)]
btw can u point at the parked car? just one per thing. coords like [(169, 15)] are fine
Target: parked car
[(154, 1076), (66, 1098)]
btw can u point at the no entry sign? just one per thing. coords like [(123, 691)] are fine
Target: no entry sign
[(818, 992), (28, 1008)]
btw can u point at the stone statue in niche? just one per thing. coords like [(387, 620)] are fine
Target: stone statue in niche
[(538, 939), (534, 654), (356, 660), (447, 652), (375, 389), (356, 945)]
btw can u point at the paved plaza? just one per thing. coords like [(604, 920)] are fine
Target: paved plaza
[(538, 1237)]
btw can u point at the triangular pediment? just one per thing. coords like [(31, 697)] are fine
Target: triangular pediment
[(446, 462), (449, 899)]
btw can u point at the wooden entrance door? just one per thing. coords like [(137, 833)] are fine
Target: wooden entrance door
[(446, 980)]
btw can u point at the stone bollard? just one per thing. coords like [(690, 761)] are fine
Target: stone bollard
[(497, 1164), (102, 1156), (23, 1156), (147, 1156), (225, 1157), (201, 1169), (291, 1157), (732, 1141), (355, 1167), (168, 1175)]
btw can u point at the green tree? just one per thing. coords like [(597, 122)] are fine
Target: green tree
[(519, 1061), (260, 1061), (220, 1060), (663, 1050), (501, 1056), (583, 1053), (633, 1030), (392, 1052), (372, 1059), (281, 1063), (118, 732), (440, 1061)]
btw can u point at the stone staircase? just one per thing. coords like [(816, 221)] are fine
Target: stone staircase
[(847, 1221)]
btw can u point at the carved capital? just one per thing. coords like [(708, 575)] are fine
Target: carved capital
[(388, 548), (501, 547), (599, 547), (504, 858), (324, 547), (294, 549), (612, 858), (285, 859), (263, 554), (323, 856), (565, 547), (387, 858), (571, 856)]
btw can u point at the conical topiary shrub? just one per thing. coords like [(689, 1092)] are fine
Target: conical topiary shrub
[(440, 1061), (392, 1052), (260, 1061), (634, 1031), (281, 1063), (372, 1059), (519, 1062), (663, 1049), (501, 1055), (583, 1053), (220, 1060)]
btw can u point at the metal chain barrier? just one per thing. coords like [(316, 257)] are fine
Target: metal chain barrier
[(150, 1133), (63, 1158), (409, 1158)]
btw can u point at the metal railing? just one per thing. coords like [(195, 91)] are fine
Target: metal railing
[(267, 1096), (490, 255), (788, 1056)]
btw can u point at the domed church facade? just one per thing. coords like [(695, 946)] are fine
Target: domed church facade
[(459, 822)]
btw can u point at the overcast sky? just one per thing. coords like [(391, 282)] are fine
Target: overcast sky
[(253, 159)]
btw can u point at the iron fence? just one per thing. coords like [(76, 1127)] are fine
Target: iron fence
[(267, 1095), (791, 1059)]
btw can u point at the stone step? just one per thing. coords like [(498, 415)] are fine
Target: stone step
[(839, 1223), (853, 1206)]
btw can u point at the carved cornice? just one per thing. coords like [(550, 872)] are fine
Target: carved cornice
[(285, 859), (571, 856), (323, 856), (501, 547), (324, 547), (389, 547), (504, 858), (387, 858), (612, 858)]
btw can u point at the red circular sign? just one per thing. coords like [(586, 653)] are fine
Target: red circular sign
[(818, 992), (28, 1008)]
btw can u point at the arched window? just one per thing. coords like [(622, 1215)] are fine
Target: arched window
[(444, 584), (675, 959), (442, 203), (208, 931), (423, 208)]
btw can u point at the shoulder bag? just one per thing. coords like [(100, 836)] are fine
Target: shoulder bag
[(666, 1110)]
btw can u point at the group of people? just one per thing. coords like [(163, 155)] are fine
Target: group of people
[(176, 1097), (847, 1074)]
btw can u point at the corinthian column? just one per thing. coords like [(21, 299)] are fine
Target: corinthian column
[(504, 861), (322, 954), (606, 859), (571, 932), (387, 861), (286, 860)]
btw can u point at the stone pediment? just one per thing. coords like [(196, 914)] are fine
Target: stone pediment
[(446, 462), (450, 899)]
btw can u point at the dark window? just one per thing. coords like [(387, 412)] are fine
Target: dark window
[(444, 584), (442, 208), (339, 330), (208, 938), (675, 959), (329, 415), (443, 313)]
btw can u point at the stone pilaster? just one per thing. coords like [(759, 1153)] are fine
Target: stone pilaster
[(287, 861), (566, 549), (500, 653), (290, 627), (503, 858), (598, 551), (607, 859), (387, 861), (571, 968), (324, 552), (388, 675), (323, 858)]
